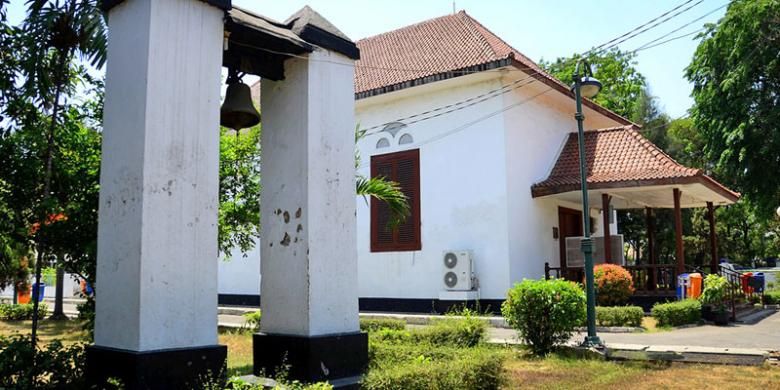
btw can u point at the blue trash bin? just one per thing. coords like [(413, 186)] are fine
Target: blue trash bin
[(757, 282), (38, 293), (682, 286)]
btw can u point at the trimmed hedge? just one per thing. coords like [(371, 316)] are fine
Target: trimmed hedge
[(410, 366), (677, 313), (448, 354), (544, 312), (465, 332), (10, 312), (619, 315), (373, 325)]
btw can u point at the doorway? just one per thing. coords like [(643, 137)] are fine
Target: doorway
[(569, 225)]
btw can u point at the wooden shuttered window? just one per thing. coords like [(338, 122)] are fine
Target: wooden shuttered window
[(404, 169)]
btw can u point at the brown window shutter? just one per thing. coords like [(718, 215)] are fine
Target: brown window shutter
[(403, 168), (381, 234), (408, 177)]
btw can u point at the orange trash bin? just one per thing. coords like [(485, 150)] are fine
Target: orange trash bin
[(23, 297), (694, 285), (745, 279)]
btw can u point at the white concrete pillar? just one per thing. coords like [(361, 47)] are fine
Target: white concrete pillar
[(156, 285), (309, 289)]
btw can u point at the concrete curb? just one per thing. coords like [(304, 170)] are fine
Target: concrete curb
[(687, 354)]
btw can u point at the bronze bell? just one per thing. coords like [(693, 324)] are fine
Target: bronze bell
[(238, 112)]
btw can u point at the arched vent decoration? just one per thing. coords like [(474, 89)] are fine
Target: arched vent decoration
[(382, 143), (394, 127)]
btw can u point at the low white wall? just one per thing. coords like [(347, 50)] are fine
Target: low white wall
[(240, 273)]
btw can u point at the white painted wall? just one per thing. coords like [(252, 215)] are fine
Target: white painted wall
[(462, 183), (475, 183), (536, 131), (309, 284), (239, 273), (156, 268)]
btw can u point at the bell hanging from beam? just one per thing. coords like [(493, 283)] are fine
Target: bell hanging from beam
[(237, 111)]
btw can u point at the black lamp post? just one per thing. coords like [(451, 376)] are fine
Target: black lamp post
[(586, 85)]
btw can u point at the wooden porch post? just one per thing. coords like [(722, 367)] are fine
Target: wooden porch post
[(650, 219), (678, 233), (605, 216), (713, 239)]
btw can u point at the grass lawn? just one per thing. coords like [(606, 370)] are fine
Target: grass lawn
[(561, 372), (522, 371), (65, 331)]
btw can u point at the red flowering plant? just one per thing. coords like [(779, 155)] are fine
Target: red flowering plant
[(614, 284)]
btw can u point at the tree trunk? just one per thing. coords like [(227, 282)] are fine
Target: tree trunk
[(59, 313), (63, 61)]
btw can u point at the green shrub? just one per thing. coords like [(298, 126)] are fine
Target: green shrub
[(372, 325), (714, 292), (544, 312), (677, 313), (410, 367), (619, 315), (10, 312), (58, 367), (454, 332), (614, 285), (253, 320), (462, 332), (772, 297)]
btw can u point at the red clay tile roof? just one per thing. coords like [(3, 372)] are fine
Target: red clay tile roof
[(620, 157), (440, 48)]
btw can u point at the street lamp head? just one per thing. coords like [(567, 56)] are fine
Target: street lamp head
[(589, 86)]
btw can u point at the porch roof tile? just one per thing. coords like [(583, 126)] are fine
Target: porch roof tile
[(620, 157)]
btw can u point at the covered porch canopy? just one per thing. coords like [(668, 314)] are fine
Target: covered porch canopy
[(627, 171)]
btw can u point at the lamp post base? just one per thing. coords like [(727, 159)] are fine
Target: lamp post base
[(592, 342)]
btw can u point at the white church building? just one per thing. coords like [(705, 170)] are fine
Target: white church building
[(481, 141)]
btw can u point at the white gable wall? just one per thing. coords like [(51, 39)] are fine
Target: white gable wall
[(462, 184), (535, 133)]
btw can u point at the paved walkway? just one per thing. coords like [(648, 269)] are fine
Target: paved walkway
[(764, 335)]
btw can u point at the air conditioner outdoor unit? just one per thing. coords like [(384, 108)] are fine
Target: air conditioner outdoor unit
[(458, 271), (574, 257)]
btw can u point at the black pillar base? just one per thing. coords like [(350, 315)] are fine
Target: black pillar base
[(181, 368), (332, 358)]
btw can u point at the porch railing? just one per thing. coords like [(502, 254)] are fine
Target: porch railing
[(649, 279), (661, 279)]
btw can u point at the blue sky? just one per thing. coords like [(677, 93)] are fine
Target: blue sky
[(540, 29)]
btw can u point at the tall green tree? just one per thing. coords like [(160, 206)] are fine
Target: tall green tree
[(239, 189), (616, 69), (52, 36), (735, 73)]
